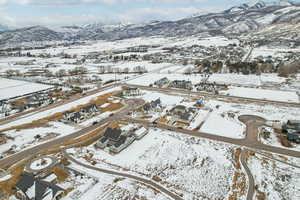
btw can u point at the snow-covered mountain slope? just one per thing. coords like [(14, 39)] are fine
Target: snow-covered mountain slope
[(31, 34), (4, 28), (238, 20)]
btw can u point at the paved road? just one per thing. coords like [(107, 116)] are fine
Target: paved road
[(130, 176), (251, 182), (217, 96)]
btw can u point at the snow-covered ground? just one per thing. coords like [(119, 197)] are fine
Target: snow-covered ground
[(40, 164), (25, 138), (272, 95), (200, 117), (14, 88), (151, 78), (247, 80), (275, 180), (194, 167), (266, 111), (122, 44), (112, 187), (223, 125)]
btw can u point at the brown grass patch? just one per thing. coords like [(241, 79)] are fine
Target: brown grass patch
[(7, 187), (284, 142), (162, 120), (113, 107), (239, 185), (181, 124), (260, 195), (61, 174), (86, 137), (114, 125), (239, 179), (236, 156)]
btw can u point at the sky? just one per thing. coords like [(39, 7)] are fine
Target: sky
[(55, 13)]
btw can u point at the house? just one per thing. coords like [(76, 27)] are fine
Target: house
[(140, 133), (77, 117), (210, 87), (90, 109), (290, 129), (147, 107), (115, 140), (294, 137), (156, 104), (179, 110), (31, 188), (182, 113), (181, 84), (74, 117), (162, 82), (293, 122), (130, 91)]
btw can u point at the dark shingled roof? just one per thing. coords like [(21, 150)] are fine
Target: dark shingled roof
[(28, 180)]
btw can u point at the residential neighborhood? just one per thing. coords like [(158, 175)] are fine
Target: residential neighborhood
[(149, 100)]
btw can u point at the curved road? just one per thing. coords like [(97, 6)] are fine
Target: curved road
[(251, 182), (130, 176)]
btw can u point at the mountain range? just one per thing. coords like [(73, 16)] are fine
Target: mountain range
[(244, 19)]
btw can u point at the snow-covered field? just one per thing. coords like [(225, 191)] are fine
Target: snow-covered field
[(14, 88), (193, 167), (275, 180), (247, 80), (231, 79), (272, 95), (151, 78), (266, 111), (26, 138), (122, 44), (224, 126)]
